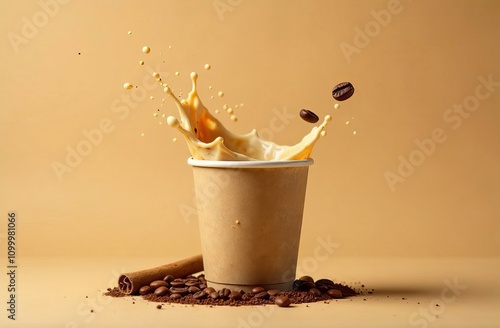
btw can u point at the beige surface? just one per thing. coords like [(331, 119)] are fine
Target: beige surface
[(421, 72), (61, 292), (276, 57)]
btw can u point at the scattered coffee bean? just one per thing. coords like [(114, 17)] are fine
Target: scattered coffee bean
[(334, 293), (282, 301), (343, 91), (159, 306), (224, 293), (308, 116), (179, 290), (161, 291), (235, 295), (259, 289), (262, 295), (192, 282), (193, 289), (214, 295), (178, 283), (168, 278), (158, 283), (175, 296), (199, 295), (323, 288), (315, 292), (306, 278), (324, 282), (144, 290), (273, 292), (306, 285)]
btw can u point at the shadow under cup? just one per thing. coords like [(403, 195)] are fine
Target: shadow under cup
[(250, 218)]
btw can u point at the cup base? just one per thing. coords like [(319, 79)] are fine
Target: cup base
[(247, 288)]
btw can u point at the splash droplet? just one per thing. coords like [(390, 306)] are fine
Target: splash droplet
[(220, 94), (141, 62), (336, 106), (234, 118), (207, 66), (127, 86)]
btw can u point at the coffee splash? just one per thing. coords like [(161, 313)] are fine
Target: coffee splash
[(208, 139)]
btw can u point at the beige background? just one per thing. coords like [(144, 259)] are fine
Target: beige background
[(125, 196)]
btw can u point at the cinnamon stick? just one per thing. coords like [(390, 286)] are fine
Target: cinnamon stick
[(130, 283)]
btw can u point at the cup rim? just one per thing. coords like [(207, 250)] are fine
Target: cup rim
[(250, 164)]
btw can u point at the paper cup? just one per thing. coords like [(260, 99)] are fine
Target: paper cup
[(250, 218)]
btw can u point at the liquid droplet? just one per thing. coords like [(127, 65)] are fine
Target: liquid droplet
[(146, 49), (207, 66), (127, 86)]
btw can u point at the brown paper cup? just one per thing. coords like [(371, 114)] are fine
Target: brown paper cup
[(250, 217)]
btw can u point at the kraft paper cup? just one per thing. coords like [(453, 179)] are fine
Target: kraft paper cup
[(250, 218)]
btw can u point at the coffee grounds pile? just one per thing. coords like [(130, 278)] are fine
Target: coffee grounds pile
[(193, 290)]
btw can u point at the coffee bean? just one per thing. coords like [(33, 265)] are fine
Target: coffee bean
[(190, 283), (161, 291), (235, 295), (306, 278), (334, 293), (325, 282), (314, 291), (159, 306), (203, 286), (263, 295), (200, 295), (193, 289), (306, 285), (158, 283), (144, 290), (178, 283), (175, 296), (308, 116), (273, 292), (168, 278), (209, 290), (297, 283), (323, 288), (214, 295), (224, 293), (282, 301), (343, 91), (179, 290), (259, 289)]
